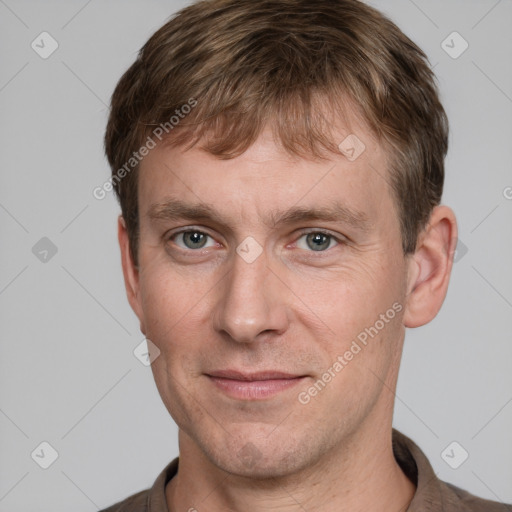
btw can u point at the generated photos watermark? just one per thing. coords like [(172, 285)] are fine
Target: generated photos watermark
[(159, 133), (356, 347)]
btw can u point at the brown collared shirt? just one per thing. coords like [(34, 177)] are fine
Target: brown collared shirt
[(432, 495)]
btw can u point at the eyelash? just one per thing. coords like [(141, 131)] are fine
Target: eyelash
[(320, 232), (188, 230), (302, 233)]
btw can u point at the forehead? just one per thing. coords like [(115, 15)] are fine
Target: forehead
[(266, 180)]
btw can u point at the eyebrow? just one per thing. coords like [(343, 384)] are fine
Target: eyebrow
[(175, 209), (335, 212)]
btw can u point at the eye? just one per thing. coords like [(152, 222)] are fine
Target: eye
[(193, 239), (316, 241)]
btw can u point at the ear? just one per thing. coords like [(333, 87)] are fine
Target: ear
[(130, 273), (429, 268)]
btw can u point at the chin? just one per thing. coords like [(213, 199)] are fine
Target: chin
[(259, 459), (262, 469)]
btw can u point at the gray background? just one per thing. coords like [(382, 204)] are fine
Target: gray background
[(68, 373)]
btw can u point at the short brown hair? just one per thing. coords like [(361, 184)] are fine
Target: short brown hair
[(248, 64)]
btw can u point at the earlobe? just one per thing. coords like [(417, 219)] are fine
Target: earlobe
[(430, 268), (130, 273)]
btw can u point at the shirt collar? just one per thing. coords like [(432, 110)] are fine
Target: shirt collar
[(414, 463)]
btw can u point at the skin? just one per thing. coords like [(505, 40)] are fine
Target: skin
[(292, 309)]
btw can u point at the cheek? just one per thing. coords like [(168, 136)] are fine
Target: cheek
[(351, 297), (176, 309), (164, 302)]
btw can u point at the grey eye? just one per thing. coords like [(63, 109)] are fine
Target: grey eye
[(318, 241), (193, 239)]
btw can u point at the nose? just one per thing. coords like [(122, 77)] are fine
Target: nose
[(252, 302)]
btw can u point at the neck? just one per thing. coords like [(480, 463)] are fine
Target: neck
[(362, 475)]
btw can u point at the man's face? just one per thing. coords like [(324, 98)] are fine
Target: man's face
[(256, 275)]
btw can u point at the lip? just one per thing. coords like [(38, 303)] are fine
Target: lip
[(254, 385)]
